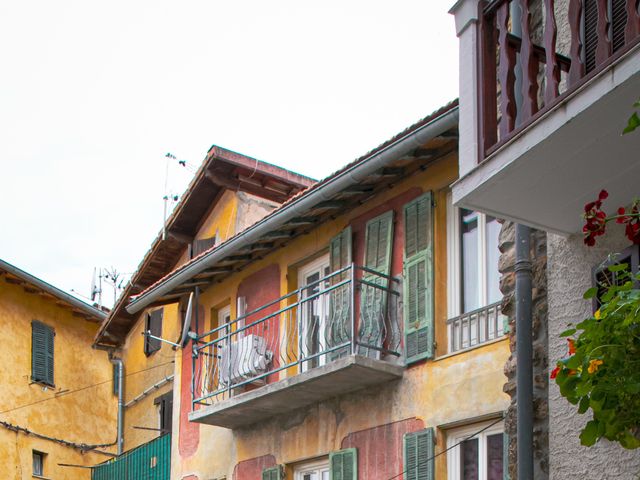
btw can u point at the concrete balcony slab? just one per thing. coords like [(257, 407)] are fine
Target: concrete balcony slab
[(334, 379)]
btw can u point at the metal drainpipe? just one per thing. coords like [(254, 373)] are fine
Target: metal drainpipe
[(120, 440), (524, 354)]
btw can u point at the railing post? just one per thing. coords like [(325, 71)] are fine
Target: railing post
[(352, 308), (487, 81), (576, 70)]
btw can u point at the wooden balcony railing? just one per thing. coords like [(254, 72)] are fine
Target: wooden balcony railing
[(533, 53)]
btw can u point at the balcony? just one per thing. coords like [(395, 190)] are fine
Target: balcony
[(476, 327), (331, 337), (556, 82)]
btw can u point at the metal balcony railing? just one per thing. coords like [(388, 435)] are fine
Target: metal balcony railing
[(475, 327), (305, 329), (534, 53)]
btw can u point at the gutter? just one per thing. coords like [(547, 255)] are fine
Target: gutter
[(524, 354), (56, 292), (351, 176), (120, 439)]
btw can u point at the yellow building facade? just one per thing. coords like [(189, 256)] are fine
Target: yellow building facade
[(58, 410), (223, 199), (332, 338)]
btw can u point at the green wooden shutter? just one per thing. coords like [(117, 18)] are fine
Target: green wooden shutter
[(339, 331), (41, 353), (418, 279), (273, 473), (373, 301), (419, 451), (343, 465)]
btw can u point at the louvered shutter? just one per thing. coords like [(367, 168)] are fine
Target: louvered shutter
[(418, 279), (153, 325), (41, 353), (343, 465), (202, 245), (339, 331), (373, 301), (419, 451), (273, 473)]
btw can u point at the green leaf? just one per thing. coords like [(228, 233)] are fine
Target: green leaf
[(568, 333), (589, 435), (584, 405), (632, 124), (591, 293), (618, 267)]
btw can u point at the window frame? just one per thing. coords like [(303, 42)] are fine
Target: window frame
[(163, 402), (454, 261), (41, 455), (315, 466), (460, 434)]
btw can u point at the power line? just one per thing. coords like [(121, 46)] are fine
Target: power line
[(64, 394), (424, 462)]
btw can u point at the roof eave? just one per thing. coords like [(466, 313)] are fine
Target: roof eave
[(412, 140)]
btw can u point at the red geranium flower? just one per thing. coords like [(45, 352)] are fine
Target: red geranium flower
[(554, 372)]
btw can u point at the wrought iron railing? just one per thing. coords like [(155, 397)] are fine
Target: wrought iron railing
[(305, 329), (534, 53), (475, 327)]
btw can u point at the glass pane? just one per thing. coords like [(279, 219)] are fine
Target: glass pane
[(325, 475), (495, 451), (469, 263), (469, 459), (493, 254)]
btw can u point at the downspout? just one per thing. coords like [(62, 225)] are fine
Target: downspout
[(120, 366), (524, 354)]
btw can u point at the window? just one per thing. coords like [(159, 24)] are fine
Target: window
[(474, 280), (314, 313), (165, 412), (603, 277), (318, 470), (202, 245), (153, 325), (476, 457), (42, 353), (38, 463)]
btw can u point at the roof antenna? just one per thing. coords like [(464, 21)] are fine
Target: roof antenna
[(169, 157)]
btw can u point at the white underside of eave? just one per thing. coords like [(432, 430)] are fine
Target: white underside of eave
[(544, 177)]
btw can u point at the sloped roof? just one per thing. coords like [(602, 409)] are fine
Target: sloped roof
[(35, 285), (221, 169), (281, 233)]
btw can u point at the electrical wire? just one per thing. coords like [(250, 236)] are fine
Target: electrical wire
[(424, 462), (64, 394)]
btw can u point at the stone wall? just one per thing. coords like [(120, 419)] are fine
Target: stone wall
[(540, 346)]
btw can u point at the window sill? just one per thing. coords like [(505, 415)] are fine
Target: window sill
[(503, 338), (44, 385), (40, 477)]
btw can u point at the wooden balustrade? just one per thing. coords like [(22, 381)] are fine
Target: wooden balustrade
[(523, 70)]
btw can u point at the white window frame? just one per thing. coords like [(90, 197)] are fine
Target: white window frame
[(454, 255), (317, 466), (224, 318), (319, 264), (458, 435)]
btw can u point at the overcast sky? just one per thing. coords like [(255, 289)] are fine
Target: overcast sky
[(93, 94)]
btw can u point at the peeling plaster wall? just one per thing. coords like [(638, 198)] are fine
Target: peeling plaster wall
[(449, 389), (569, 275)]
